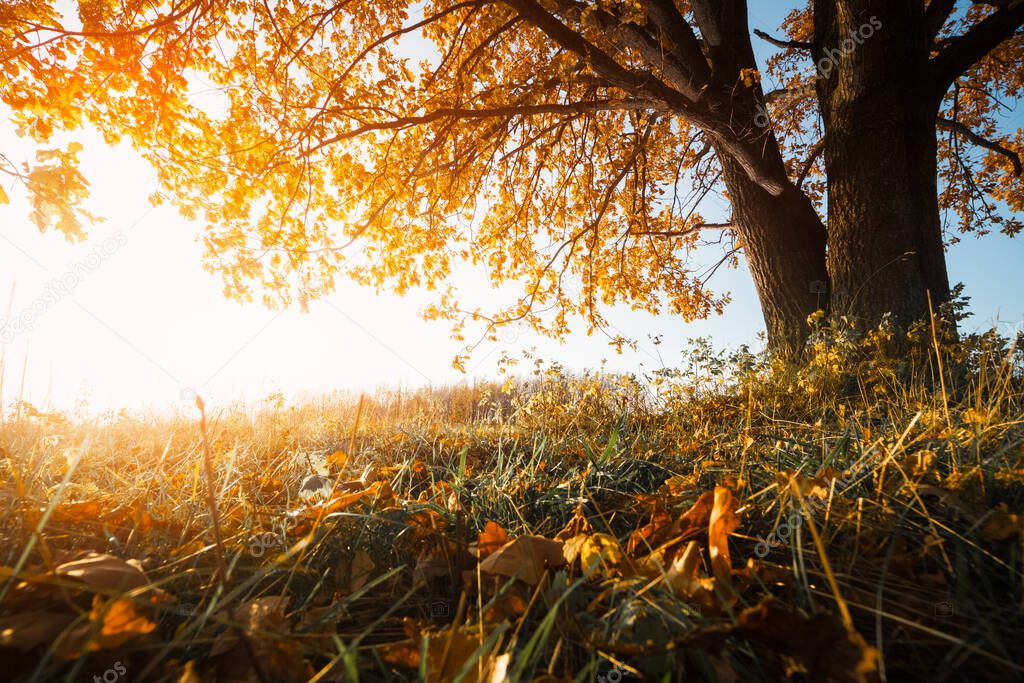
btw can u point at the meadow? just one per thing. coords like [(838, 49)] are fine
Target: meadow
[(856, 519)]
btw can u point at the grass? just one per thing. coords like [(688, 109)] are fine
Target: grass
[(865, 509)]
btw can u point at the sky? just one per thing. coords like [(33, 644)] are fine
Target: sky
[(136, 322)]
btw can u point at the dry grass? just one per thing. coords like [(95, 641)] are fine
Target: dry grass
[(872, 499)]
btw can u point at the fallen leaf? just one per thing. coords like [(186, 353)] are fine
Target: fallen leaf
[(28, 630), (361, 570), (104, 572), (818, 646), (337, 459), (600, 551), (189, 674), (264, 625), (448, 652), (577, 524), (659, 529), (435, 562), (525, 558), (489, 540), (723, 521), (119, 622)]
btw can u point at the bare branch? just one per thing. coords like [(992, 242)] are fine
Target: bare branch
[(785, 44), (961, 129), (816, 151)]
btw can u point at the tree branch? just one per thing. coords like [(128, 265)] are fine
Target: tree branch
[(747, 155), (677, 31), (963, 52), (785, 44), (936, 15), (681, 233), (957, 127), (816, 151), (681, 76)]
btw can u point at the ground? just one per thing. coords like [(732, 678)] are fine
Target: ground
[(857, 518)]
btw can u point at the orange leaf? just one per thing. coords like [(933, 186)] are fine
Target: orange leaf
[(337, 459), (723, 522), (490, 539), (526, 558), (120, 623)]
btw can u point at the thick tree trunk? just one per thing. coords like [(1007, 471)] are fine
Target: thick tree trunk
[(885, 247), (783, 237), (784, 243)]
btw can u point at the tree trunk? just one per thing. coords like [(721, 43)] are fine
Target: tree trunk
[(783, 237), (784, 243), (885, 247)]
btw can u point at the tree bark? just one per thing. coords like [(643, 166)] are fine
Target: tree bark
[(885, 246), (783, 237), (784, 243)]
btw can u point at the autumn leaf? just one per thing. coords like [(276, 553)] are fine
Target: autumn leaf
[(723, 521), (104, 572), (450, 653), (819, 645), (1001, 524), (749, 77), (360, 571), (526, 558), (28, 630), (265, 626), (661, 527), (336, 460), (600, 552), (119, 622), (490, 539), (684, 576)]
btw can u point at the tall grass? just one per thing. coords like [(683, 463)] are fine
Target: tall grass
[(876, 487)]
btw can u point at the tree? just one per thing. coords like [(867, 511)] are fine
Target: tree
[(549, 140)]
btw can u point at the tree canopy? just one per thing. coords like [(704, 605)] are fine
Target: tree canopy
[(543, 141)]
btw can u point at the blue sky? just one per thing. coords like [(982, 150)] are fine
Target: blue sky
[(146, 324)]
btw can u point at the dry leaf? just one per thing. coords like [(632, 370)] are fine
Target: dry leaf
[(119, 622), (577, 524), (189, 674), (526, 558), (28, 630), (263, 622), (819, 646), (435, 562), (600, 552), (723, 522), (490, 539), (337, 459), (361, 570), (684, 578), (448, 651), (660, 528), (104, 572), (677, 485)]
